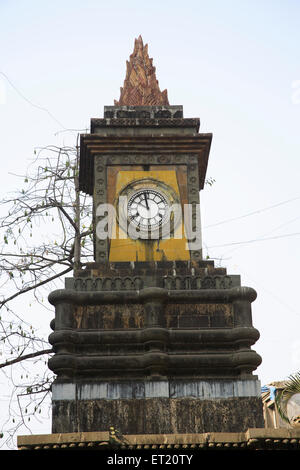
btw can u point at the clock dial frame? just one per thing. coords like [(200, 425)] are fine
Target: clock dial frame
[(148, 206)]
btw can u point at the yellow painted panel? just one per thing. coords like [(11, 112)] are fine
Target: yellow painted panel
[(126, 249)]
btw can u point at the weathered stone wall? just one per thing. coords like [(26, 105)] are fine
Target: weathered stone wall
[(153, 331), (158, 415)]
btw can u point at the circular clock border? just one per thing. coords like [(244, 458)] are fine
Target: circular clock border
[(137, 185)]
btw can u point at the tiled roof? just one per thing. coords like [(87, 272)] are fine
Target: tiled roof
[(259, 438)]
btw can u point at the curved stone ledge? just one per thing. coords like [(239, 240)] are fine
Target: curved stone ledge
[(150, 293), (203, 336), (143, 363)]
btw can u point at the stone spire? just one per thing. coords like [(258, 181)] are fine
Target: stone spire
[(140, 85)]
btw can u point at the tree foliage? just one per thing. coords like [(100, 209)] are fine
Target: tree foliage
[(282, 397)]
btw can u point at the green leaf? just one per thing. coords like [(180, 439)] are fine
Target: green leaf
[(292, 387)]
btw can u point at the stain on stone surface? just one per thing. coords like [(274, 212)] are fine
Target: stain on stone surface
[(108, 316), (199, 315), (178, 415)]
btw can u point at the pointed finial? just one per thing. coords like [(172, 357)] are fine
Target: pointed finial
[(140, 86)]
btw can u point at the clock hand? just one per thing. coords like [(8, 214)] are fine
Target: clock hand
[(145, 195)]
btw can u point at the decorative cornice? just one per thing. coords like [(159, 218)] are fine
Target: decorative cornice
[(134, 282), (132, 150), (145, 122)]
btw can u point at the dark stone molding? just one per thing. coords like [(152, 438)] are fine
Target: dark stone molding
[(168, 111), (211, 351), (135, 282), (132, 121), (155, 363), (132, 336), (153, 331), (164, 295)]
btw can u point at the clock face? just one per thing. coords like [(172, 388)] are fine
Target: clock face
[(147, 209)]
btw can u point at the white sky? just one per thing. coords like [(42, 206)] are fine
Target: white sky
[(234, 64)]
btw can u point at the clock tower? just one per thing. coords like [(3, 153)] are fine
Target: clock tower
[(150, 337)]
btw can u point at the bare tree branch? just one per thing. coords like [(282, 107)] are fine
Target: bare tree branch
[(39, 284), (45, 233), (25, 357)]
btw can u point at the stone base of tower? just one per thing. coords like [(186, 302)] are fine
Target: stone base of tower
[(158, 407), (159, 348)]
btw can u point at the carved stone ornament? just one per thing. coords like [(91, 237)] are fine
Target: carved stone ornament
[(140, 86)]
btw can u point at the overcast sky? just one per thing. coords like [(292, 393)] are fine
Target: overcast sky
[(234, 64)]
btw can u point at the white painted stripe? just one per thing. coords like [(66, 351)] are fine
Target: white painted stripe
[(202, 389)]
